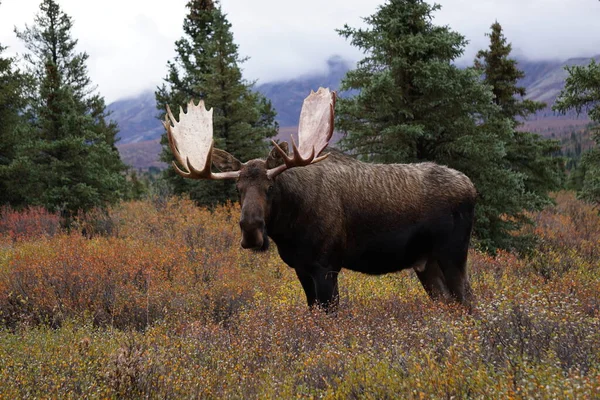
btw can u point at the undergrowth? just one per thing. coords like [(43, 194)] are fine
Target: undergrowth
[(159, 301)]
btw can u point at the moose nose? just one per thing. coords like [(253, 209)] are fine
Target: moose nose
[(252, 231), (255, 242), (248, 224)]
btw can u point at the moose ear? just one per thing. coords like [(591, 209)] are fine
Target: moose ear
[(224, 161), (275, 159)]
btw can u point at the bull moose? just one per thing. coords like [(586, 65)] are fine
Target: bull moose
[(328, 211)]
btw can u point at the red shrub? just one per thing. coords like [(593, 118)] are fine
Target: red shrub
[(31, 223), (180, 261)]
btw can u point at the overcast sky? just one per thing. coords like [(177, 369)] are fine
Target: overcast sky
[(130, 41)]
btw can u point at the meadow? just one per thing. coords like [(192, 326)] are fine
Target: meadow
[(156, 299)]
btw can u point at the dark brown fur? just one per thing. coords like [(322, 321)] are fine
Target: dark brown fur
[(342, 213)]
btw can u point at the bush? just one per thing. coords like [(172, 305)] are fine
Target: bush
[(171, 307), (31, 223)]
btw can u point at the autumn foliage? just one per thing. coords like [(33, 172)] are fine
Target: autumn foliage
[(157, 299), (31, 223)]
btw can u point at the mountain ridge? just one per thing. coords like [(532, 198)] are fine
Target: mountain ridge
[(140, 129)]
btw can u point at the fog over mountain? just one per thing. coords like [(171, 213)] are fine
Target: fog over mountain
[(140, 130)]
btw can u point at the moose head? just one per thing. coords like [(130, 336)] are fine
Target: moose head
[(191, 141)]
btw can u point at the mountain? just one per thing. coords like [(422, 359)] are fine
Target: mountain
[(140, 130), (142, 155), (136, 117), (544, 80), (287, 96)]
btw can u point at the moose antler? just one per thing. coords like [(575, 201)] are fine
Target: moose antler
[(314, 132), (191, 141)]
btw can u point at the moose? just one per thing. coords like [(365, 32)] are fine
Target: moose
[(331, 211)]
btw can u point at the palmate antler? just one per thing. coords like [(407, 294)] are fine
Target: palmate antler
[(314, 132), (191, 139)]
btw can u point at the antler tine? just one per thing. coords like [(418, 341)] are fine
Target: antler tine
[(191, 142), (314, 132), (282, 153), (297, 159)]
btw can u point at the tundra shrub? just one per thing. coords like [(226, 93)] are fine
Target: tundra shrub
[(171, 307), (30, 223)]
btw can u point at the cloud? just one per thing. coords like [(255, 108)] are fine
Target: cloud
[(537, 29), (130, 41)]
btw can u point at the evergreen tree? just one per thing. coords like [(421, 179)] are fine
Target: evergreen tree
[(13, 127), (185, 73), (582, 92), (207, 67), (527, 153), (70, 161), (413, 104), (138, 187), (502, 74)]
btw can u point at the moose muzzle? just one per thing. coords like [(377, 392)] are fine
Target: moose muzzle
[(253, 232)]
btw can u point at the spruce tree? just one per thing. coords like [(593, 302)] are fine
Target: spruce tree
[(13, 126), (582, 92), (207, 67), (527, 153), (70, 162), (413, 104)]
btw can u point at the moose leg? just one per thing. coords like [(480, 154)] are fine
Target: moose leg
[(310, 289), (433, 280), (457, 279), (328, 295), (321, 287), (452, 257)]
